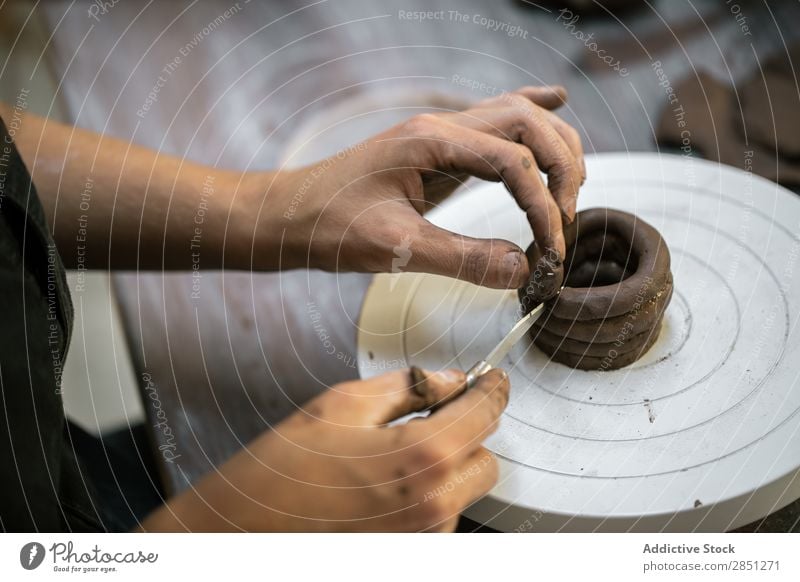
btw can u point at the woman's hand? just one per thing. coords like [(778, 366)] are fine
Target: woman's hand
[(354, 211), (335, 465)]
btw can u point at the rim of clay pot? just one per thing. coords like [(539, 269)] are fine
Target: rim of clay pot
[(648, 251)]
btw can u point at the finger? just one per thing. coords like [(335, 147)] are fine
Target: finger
[(447, 146), (446, 526), (494, 263), (460, 426), (468, 482), (547, 96), (385, 398), (533, 127), (478, 474), (571, 137)]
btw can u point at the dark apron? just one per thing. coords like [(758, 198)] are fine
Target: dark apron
[(43, 486)]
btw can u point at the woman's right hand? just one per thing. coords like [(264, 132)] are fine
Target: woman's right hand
[(335, 465)]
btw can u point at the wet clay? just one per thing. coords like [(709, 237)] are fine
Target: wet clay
[(617, 285), (546, 277)]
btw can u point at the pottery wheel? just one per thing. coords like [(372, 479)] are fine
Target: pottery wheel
[(703, 432)]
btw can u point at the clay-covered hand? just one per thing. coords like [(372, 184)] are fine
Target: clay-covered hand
[(335, 465), (362, 210)]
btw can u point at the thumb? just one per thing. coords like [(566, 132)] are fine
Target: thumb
[(494, 263), (384, 398)]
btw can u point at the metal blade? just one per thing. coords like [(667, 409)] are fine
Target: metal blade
[(522, 327)]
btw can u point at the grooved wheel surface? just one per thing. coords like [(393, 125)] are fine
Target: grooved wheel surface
[(703, 432)]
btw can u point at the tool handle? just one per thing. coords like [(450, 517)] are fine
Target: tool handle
[(419, 379), (476, 371)]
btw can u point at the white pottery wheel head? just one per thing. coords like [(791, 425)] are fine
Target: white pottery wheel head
[(699, 434)]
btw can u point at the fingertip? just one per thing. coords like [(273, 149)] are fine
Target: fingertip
[(452, 376), (514, 270), (558, 96), (547, 96), (561, 91), (443, 385), (495, 380), (494, 377), (561, 244)]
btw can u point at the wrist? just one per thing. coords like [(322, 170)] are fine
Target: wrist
[(253, 240)]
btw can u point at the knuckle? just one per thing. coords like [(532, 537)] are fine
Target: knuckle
[(432, 457), (519, 128), (574, 137), (497, 387), (492, 471), (420, 125), (346, 389), (524, 151), (562, 170), (510, 159), (423, 457), (566, 174), (438, 511), (475, 265), (519, 101)]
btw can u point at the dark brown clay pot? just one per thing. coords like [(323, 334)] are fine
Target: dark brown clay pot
[(616, 288)]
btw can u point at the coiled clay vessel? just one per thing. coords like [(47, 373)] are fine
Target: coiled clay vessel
[(617, 285)]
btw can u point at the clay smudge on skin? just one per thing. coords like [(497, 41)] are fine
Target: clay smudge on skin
[(546, 278)]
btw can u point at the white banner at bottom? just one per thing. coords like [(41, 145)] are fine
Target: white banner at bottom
[(389, 557)]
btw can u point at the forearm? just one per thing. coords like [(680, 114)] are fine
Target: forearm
[(113, 204)]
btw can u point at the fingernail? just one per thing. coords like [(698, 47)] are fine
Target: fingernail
[(451, 376), (510, 265)]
